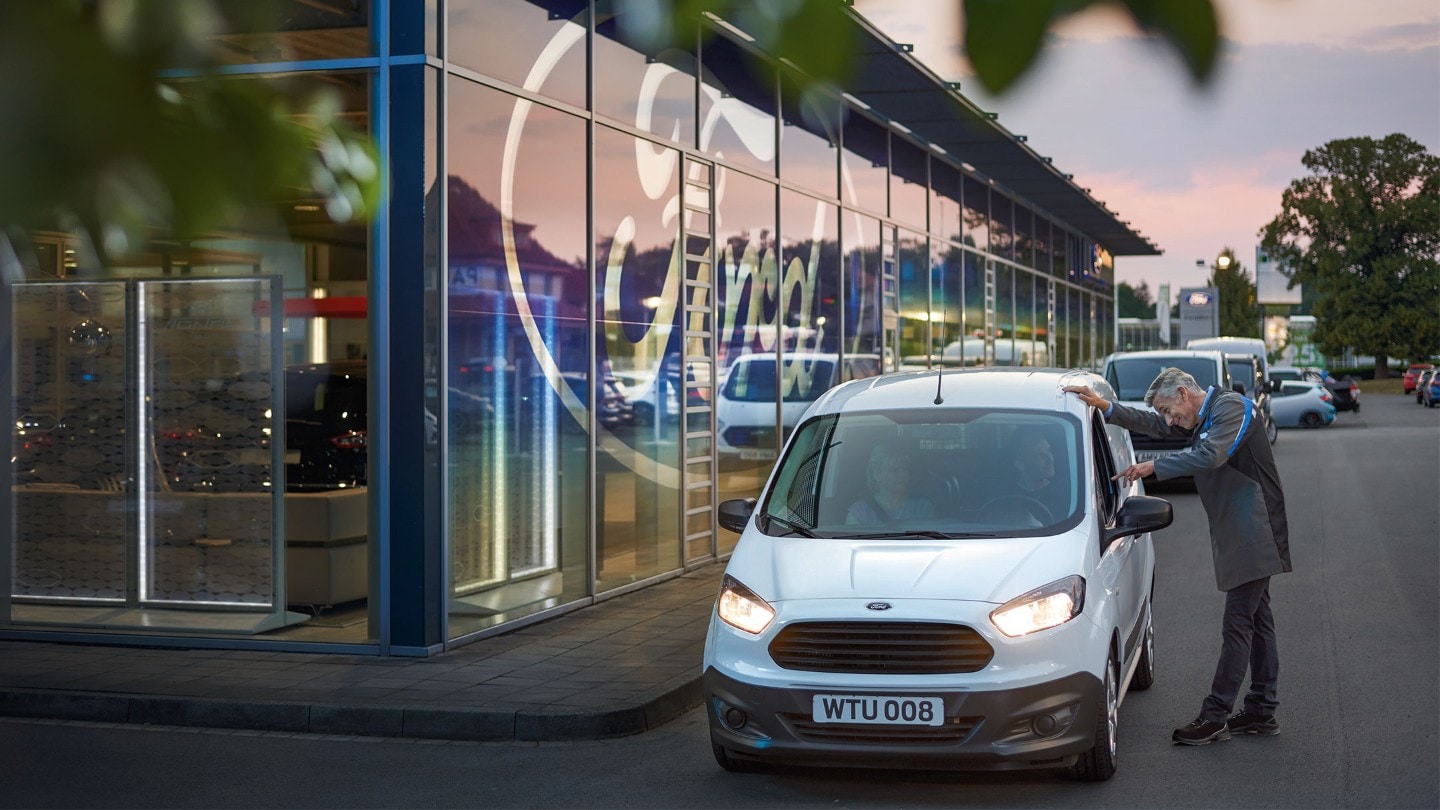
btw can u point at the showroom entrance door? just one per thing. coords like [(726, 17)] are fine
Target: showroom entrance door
[(148, 481)]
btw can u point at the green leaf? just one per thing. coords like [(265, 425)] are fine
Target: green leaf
[(1003, 37), (1190, 25)]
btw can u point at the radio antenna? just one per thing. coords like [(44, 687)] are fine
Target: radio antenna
[(939, 375)]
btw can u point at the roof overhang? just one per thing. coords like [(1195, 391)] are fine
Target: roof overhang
[(897, 86)]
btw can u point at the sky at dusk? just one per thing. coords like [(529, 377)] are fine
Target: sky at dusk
[(1199, 169)]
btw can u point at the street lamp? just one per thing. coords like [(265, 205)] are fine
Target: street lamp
[(1222, 261)]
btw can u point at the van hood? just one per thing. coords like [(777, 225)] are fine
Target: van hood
[(992, 570)]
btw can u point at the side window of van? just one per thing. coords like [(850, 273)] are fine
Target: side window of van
[(1103, 465)]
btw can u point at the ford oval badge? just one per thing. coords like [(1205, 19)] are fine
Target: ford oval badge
[(878, 606), (1198, 299)]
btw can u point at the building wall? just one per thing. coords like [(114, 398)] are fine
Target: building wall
[(612, 281)]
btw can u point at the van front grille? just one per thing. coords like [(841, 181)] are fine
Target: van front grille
[(893, 648)]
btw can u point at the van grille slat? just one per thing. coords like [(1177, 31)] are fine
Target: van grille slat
[(955, 730), (897, 648)]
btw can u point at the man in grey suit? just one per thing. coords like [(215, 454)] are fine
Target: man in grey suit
[(1234, 470)]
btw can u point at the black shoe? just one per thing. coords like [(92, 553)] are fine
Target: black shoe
[(1247, 723), (1201, 732)]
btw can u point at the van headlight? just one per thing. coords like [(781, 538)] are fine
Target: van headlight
[(1045, 607), (742, 608)]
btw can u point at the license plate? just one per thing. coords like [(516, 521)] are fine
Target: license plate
[(1147, 456), (879, 709)]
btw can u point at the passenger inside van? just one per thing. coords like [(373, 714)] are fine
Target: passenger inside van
[(889, 497)]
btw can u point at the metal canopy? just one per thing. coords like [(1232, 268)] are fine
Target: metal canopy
[(897, 86)]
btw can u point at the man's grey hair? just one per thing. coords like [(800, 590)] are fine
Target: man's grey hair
[(1169, 383)]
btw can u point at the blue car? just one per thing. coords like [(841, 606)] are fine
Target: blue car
[(1430, 391), (1302, 404)]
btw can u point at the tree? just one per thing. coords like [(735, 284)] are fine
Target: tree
[(1364, 230), (1239, 312), (1002, 37), (1134, 302)]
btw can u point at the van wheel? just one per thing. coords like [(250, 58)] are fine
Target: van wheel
[(1098, 764), (732, 763)]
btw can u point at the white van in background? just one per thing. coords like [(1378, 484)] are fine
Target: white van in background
[(745, 406), (1235, 345)]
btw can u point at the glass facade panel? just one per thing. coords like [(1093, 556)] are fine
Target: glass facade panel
[(863, 307), (748, 305), (1002, 225), (810, 303), (535, 44), (944, 200), (809, 137), (865, 164), (638, 317), (913, 272), (974, 285), (652, 92), (1044, 330), (947, 306), (1025, 354), (292, 31), (909, 184), (1024, 236), (1005, 352), (519, 361), (737, 113), (976, 213)]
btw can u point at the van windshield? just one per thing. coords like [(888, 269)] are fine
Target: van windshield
[(937, 473), (1131, 376)]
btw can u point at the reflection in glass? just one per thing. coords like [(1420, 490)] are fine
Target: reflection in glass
[(535, 44), (748, 306), (737, 113), (1024, 319), (809, 136), (1002, 225), (865, 164), (946, 306), (652, 92), (292, 31), (1005, 353), (1024, 235), (944, 200), (909, 184), (809, 297), (637, 294), (974, 285), (864, 314), (977, 213), (519, 395), (918, 335)]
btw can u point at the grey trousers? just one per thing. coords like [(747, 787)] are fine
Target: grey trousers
[(1248, 642)]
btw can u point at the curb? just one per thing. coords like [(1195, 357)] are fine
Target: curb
[(421, 722)]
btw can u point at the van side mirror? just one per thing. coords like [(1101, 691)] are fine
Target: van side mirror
[(735, 513), (1138, 515)]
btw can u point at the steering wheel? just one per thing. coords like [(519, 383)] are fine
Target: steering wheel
[(1030, 505)]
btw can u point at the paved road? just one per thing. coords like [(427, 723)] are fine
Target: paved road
[(1359, 625)]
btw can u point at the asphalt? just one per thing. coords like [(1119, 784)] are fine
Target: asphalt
[(622, 666)]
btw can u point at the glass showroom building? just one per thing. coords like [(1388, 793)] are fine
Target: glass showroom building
[(604, 282)]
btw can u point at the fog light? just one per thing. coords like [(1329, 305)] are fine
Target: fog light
[(1044, 725), (735, 718)]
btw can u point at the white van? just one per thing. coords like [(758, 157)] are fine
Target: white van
[(984, 624), (745, 406), (1130, 374), (1235, 345)]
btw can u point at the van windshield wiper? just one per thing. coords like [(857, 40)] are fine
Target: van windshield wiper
[(795, 528), (917, 533)]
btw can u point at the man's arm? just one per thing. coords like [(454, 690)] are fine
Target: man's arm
[(1132, 419), (1229, 414)]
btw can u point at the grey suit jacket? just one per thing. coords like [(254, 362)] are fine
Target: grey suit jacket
[(1234, 470)]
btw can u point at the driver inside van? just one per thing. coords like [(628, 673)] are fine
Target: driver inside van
[(887, 476)]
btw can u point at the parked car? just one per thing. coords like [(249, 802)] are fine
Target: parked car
[(1130, 375), (988, 631), (1281, 373), (1247, 371), (1430, 390), (1236, 345), (1424, 379), (1412, 375), (1346, 393), (1299, 403)]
